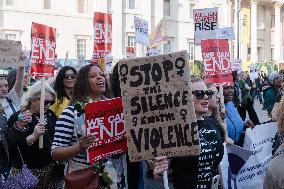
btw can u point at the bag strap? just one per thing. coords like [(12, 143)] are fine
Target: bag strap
[(20, 155), (11, 104)]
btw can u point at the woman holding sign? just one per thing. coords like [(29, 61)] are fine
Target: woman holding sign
[(25, 130), (198, 171), (71, 141)]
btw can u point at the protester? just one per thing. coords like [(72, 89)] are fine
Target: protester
[(63, 87), (25, 128), (235, 125), (70, 139), (11, 79), (197, 171), (274, 175), (11, 101), (272, 94)]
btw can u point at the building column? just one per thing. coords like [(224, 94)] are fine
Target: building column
[(253, 34), (236, 27), (277, 32)]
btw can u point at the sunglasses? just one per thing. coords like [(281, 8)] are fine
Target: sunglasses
[(199, 94), (49, 102), (71, 76)]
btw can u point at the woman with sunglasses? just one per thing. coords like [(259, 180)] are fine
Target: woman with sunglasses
[(63, 87), (70, 139), (26, 129), (197, 171)]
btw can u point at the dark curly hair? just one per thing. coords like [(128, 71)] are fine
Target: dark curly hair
[(59, 83), (81, 90)]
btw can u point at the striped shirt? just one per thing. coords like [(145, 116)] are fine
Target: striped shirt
[(64, 133)]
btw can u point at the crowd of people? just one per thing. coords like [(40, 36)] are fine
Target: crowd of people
[(65, 141)]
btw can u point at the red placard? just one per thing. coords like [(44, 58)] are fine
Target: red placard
[(105, 120), (216, 59), (43, 45), (102, 35)]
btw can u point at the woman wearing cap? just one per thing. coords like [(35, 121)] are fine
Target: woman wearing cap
[(197, 171), (272, 94), (26, 129)]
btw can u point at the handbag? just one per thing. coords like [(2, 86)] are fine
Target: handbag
[(87, 178), (23, 180)]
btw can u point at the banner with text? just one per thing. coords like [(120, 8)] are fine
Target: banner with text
[(102, 36), (158, 34), (43, 54), (216, 59), (104, 119), (157, 104), (205, 23), (245, 25), (141, 31), (250, 173), (10, 53)]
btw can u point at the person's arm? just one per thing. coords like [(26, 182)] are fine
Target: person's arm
[(19, 84)]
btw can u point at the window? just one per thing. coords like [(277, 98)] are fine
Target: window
[(47, 4), (10, 36), (10, 2), (272, 21), (131, 41), (81, 47), (167, 8), (131, 4), (82, 6), (191, 7), (191, 51), (167, 47), (249, 50)]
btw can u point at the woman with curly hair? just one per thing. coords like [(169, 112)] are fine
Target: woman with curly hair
[(70, 139), (63, 87)]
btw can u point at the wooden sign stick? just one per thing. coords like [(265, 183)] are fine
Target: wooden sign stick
[(42, 99)]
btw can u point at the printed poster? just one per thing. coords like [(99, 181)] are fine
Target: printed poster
[(237, 65), (141, 31), (105, 120), (216, 59), (43, 54), (205, 23), (225, 33), (102, 36), (10, 53), (157, 104)]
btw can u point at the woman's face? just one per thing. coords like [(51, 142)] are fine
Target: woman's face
[(96, 81), (35, 103), (200, 98), (3, 88), (69, 79), (214, 102)]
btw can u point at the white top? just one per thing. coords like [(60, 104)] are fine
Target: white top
[(16, 101)]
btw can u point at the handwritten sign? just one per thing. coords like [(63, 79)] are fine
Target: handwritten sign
[(10, 52), (105, 120), (157, 104), (141, 31), (43, 50), (217, 63), (205, 23)]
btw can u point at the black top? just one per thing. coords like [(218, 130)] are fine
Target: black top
[(34, 157), (194, 172)]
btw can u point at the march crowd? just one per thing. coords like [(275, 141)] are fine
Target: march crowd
[(65, 142)]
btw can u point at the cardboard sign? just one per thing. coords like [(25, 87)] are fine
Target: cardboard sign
[(157, 104), (216, 59), (102, 36), (205, 23), (237, 65), (141, 31), (43, 44), (225, 33), (10, 53), (105, 120)]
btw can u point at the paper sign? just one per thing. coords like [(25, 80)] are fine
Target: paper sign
[(141, 31), (205, 23), (10, 52), (102, 36), (105, 120), (225, 33), (153, 52), (157, 104), (253, 71), (43, 50), (216, 59), (237, 65)]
